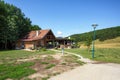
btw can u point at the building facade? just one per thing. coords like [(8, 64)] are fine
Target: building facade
[(41, 38)]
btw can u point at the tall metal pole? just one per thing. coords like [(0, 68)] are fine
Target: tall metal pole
[(93, 47)]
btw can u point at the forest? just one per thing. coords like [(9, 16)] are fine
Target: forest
[(13, 25), (103, 34)]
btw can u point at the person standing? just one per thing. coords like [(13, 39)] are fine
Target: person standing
[(62, 48)]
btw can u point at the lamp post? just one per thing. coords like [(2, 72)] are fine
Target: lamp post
[(93, 47)]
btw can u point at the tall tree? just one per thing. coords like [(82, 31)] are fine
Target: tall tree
[(3, 25), (35, 27), (13, 25)]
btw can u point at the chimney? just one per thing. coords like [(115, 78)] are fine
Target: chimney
[(37, 32)]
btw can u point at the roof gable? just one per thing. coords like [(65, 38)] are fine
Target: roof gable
[(36, 35)]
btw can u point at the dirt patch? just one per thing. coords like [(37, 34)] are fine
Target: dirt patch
[(51, 65), (99, 62)]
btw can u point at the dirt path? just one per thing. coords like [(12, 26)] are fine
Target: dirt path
[(91, 71)]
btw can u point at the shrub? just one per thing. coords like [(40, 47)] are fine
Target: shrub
[(44, 49), (41, 48)]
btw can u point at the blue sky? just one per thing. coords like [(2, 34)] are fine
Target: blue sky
[(67, 17)]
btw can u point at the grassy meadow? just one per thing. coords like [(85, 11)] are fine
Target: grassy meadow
[(20, 64), (111, 55), (105, 51), (11, 68), (10, 56), (110, 43)]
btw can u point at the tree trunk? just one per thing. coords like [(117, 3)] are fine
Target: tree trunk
[(5, 42)]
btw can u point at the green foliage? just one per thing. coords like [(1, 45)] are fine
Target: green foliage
[(35, 27), (41, 49), (103, 34), (13, 25), (78, 44), (15, 71), (88, 42), (44, 49), (3, 25)]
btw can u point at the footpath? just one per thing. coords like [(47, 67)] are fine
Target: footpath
[(92, 70)]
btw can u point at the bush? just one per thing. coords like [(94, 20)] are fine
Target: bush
[(43, 49), (76, 45), (56, 48)]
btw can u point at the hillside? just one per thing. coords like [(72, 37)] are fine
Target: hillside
[(103, 34), (111, 43)]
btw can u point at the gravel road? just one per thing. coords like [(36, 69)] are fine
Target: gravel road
[(91, 71), (107, 71)]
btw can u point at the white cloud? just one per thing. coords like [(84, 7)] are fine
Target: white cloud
[(59, 32)]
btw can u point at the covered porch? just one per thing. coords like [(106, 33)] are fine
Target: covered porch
[(63, 41)]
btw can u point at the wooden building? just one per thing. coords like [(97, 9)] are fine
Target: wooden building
[(36, 39), (41, 38)]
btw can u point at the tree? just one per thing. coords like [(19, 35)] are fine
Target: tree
[(35, 27), (103, 34), (88, 42), (3, 25), (13, 25)]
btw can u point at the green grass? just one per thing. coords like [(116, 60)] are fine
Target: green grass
[(104, 55), (44, 62), (10, 68), (12, 55), (15, 71), (72, 59)]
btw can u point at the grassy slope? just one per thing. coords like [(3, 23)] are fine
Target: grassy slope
[(111, 43), (105, 51), (115, 40), (104, 55)]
